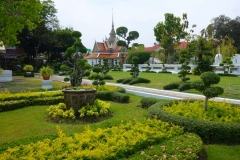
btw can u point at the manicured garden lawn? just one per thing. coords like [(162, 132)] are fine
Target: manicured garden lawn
[(22, 124), (158, 80)]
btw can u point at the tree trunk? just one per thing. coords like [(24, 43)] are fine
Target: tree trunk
[(168, 58), (206, 103)]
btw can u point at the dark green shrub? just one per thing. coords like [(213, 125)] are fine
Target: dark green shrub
[(87, 73), (120, 80), (127, 80), (120, 97), (147, 101), (47, 101), (184, 86), (173, 85), (139, 80), (109, 77), (229, 75), (13, 105), (165, 72), (121, 90), (210, 132), (104, 95)]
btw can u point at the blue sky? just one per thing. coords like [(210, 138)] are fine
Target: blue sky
[(93, 18)]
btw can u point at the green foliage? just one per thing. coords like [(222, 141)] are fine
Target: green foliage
[(143, 56), (217, 111), (134, 70), (173, 85), (132, 81), (27, 15), (111, 143), (87, 73), (64, 67), (60, 113), (146, 102), (226, 64), (113, 96), (46, 71), (210, 132), (184, 86), (184, 60), (99, 108), (170, 32), (122, 32), (186, 146), (208, 79), (108, 77), (28, 68)]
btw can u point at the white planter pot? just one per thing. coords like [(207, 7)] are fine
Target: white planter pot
[(6, 76), (47, 84)]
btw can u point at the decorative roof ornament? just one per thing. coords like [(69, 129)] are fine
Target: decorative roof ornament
[(112, 34)]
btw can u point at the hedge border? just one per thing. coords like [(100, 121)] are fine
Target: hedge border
[(210, 132)]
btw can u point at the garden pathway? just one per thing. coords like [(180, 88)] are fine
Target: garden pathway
[(156, 93)]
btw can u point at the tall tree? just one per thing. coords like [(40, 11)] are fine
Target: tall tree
[(122, 32), (16, 14), (170, 32), (201, 48)]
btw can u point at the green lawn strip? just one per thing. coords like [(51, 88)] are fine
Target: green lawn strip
[(222, 152)]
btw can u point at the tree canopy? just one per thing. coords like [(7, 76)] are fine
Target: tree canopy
[(122, 32), (15, 15), (170, 32)]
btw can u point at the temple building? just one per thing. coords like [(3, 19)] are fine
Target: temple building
[(107, 49)]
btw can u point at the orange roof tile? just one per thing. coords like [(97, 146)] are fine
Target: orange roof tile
[(118, 48), (102, 55), (153, 48), (101, 46), (182, 45)]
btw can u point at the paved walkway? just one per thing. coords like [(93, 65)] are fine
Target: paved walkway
[(157, 93)]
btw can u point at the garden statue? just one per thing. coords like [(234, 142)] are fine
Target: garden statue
[(218, 58)]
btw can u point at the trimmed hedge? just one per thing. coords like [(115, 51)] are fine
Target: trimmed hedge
[(147, 102), (132, 81), (112, 96), (173, 85), (184, 86), (210, 132)]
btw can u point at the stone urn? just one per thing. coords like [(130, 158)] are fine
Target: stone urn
[(78, 98)]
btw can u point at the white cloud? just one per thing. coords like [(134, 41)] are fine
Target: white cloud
[(93, 18)]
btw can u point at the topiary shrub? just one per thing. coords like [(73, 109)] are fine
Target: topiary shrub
[(139, 80), (173, 85), (184, 86), (120, 97), (127, 80), (147, 101), (109, 77), (87, 73), (120, 80)]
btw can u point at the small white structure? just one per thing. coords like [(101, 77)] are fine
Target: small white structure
[(6, 76), (218, 58), (47, 84)]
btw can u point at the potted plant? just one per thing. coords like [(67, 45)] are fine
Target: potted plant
[(28, 70), (46, 72)]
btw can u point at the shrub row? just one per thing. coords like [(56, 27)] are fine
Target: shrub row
[(148, 101), (113, 96), (112, 143), (16, 104), (177, 85), (132, 81), (210, 132), (7, 96)]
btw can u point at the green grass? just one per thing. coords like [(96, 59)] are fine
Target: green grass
[(29, 122), (158, 80)]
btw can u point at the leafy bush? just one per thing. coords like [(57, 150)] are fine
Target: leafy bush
[(147, 102), (47, 100), (111, 143), (109, 77), (226, 74), (13, 105), (60, 113), (120, 80), (127, 80), (28, 68), (173, 85), (139, 80), (120, 97), (184, 86), (186, 146), (99, 108), (210, 132), (87, 73)]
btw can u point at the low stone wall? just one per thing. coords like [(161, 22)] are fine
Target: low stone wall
[(6, 76), (175, 68)]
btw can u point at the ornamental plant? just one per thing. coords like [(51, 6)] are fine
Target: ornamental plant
[(184, 60), (206, 86), (1, 70), (75, 55), (28, 68), (227, 64), (99, 108), (134, 70)]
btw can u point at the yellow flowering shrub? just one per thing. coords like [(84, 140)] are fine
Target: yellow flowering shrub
[(111, 143), (59, 113), (217, 111), (98, 108), (103, 87)]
